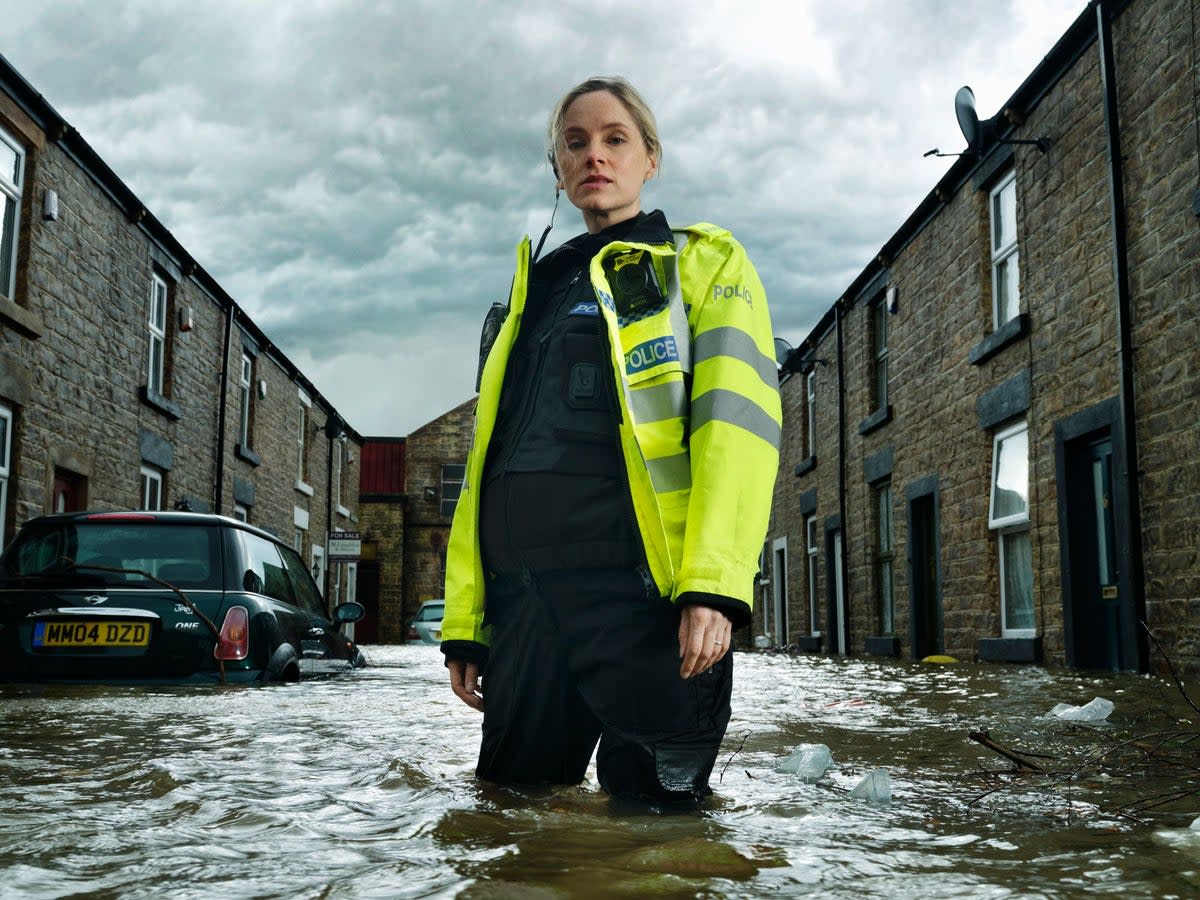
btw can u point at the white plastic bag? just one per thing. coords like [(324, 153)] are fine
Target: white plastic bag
[(808, 761), (876, 787), (1095, 711)]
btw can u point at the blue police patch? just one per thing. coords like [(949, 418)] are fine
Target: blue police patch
[(585, 308), (651, 353)]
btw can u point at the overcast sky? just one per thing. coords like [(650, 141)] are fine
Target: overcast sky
[(356, 173)]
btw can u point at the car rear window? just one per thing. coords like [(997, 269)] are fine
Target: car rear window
[(186, 556), (430, 613)]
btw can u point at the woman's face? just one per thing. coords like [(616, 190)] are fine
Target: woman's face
[(603, 161)]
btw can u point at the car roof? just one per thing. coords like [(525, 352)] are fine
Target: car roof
[(159, 516)]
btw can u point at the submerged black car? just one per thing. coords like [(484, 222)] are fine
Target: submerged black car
[(163, 597)]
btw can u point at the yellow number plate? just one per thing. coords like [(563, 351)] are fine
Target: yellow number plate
[(91, 634)]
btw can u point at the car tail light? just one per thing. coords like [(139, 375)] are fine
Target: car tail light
[(412, 633), (122, 517), (235, 635)]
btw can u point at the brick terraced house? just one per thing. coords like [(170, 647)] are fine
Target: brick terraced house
[(992, 439), (128, 377)]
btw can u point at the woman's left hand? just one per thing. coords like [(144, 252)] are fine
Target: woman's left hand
[(704, 637)]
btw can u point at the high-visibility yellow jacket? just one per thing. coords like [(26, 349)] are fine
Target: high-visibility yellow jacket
[(700, 422)]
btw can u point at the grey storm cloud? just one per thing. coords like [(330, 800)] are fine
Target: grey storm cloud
[(357, 173)]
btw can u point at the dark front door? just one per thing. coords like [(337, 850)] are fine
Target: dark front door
[(70, 490), (923, 565), (366, 592), (1096, 602)]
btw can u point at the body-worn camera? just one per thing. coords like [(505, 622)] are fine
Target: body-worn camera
[(634, 284)]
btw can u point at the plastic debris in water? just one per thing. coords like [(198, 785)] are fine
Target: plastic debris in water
[(1095, 711), (808, 761), (876, 787), (940, 658)]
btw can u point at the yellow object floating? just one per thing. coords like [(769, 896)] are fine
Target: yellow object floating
[(938, 658)]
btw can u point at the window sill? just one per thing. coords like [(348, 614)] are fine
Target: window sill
[(242, 452), (877, 419), (1010, 331), (343, 512), (882, 646), (157, 401), (305, 489), (1016, 650), (806, 466), (20, 318)]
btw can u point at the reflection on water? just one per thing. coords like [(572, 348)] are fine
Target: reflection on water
[(362, 787)]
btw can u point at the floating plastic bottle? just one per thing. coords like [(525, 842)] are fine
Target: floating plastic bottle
[(876, 787), (808, 762)]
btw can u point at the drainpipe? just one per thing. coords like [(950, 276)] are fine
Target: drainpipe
[(844, 612), (229, 320), (328, 506), (1130, 552)]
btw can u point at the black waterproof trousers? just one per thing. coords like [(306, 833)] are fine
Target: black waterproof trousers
[(583, 656)]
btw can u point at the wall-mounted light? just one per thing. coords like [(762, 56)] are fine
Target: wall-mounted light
[(262, 389), (430, 493), (891, 298), (50, 205), (185, 319)]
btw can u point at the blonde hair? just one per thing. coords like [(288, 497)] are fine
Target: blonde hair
[(620, 88)]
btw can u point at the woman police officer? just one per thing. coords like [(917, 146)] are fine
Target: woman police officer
[(619, 484)]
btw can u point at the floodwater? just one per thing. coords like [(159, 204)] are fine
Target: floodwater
[(362, 786)]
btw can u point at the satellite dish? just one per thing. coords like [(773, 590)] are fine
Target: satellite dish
[(968, 118), (782, 351)]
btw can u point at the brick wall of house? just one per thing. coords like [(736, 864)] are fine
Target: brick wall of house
[(74, 352), (443, 441), (1065, 364)]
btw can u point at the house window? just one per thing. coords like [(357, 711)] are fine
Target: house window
[(241, 513), (879, 353), (245, 397), (12, 170), (810, 528), (303, 420), (152, 488), (810, 413), (1006, 294), (6, 422), (156, 377), (339, 470), (885, 537), (1008, 516), (298, 540), (452, 482)]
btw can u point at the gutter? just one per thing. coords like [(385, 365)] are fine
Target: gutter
[(1131, 565)]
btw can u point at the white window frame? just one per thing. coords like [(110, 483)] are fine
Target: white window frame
[(6, 419), (339, 475), (1009, 524), (812, 547), (879, 351), (151, 482), (304, 417), (779, 597), (11, 187), (810, 394), (1006, 253), (885, 556), (317, 564), (442, 501), (241, 512), (245, 380), (157, 364)]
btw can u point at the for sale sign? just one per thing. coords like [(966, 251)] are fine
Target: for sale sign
[(344, 546)]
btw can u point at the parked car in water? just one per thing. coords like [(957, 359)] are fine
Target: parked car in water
[(426, 626), (163, 597)]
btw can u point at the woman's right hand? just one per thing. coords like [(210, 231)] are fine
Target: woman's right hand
[(464, 681)]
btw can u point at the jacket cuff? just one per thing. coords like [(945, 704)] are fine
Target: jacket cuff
[(737, 610), (466, 651)]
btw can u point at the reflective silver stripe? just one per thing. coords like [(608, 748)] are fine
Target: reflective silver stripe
[(663, 401), (675, 305), (670, 473), (735, 343), (733, 408)]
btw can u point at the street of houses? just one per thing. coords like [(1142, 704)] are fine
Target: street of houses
[(990, 438)]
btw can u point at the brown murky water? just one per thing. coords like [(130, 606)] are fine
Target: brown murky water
[(361, 787)]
